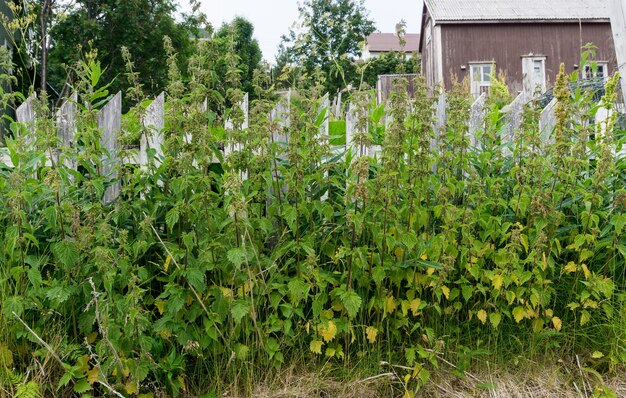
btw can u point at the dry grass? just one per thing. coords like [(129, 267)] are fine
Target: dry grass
[(529, 380)]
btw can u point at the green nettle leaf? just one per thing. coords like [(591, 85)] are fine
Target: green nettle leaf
[(378, 274), (196, 278), (34, 276), (12, 305), (495, 318), (82, 386), (467, 291), (239, 310), (172, 216), (352, 302), (65, 379), (236, 256), (298, 290), (409, 240), (66, 253), (58, 294)]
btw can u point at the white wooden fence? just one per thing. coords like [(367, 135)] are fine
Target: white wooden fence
[(150, 149)]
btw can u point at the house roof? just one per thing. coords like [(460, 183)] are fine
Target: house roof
[(384, 42), (516, 10)]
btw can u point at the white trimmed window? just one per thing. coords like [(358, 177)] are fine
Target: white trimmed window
[(596, 70), (480, 77)]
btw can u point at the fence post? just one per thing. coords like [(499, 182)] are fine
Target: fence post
[(477, 120), (323, 133), (230, 145), (154, 122), (440, 120), (66, 128), (350, 129), (110, 123), (279, 119), (515, 111), (547, 121), (25, 114)]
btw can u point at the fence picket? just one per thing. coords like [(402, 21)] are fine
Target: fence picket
[(110, 124), (477, 120), (547, 121), (154, 122)]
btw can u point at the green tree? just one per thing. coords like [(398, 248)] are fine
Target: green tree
[(238, 36), (330, 40), (389, 63), (109, 25)]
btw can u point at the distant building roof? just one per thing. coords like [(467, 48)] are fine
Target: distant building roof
[(385, 42), (517, 10)]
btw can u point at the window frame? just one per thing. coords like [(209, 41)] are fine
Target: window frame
[(587, 70), (479, 86)]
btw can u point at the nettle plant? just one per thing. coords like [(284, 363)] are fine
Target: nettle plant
[(235, 252)]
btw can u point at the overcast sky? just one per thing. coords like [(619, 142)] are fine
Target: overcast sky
[(273, 18)]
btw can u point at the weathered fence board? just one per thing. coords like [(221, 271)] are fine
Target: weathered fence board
[(66, 128), (323, 132), (440, 120), (25, 113), (477, 120), (154, 123), (110, 124), (514, 113), (547, 121)]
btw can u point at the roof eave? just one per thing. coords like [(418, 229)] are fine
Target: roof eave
[(522, 20)]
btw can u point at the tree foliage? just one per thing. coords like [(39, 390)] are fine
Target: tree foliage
[(238, 35), (331, 35), (109, 25)]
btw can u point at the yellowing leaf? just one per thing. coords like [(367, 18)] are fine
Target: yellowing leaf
[(371, 333), (510, 296), (226, 292), (168, 260), (571, 267), (92, 338), (597, 355), (497, 281), (316, 346), (330, 352), (181, 380), (399, 252), (430, 271), (482, 315), (519, 313), (446, 291), (549, 313), (586, 271), (329, 331), (524, 240), (160, 304), (584, 318), (93, 375), (558, 324), (415, 306), (424, 257), (590, 304), (390, 305), (130, 387)]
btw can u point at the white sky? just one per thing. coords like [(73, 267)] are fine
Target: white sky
[(273, 18)]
